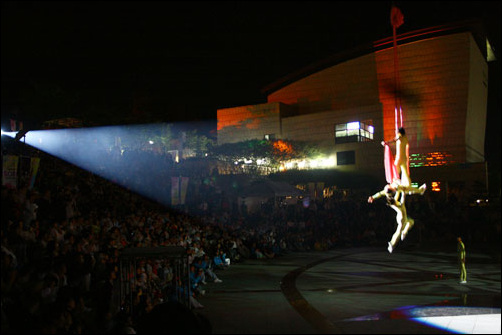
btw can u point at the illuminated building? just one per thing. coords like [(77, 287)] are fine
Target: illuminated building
[(347, 103)]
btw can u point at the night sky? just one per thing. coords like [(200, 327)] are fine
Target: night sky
[(180, 61)]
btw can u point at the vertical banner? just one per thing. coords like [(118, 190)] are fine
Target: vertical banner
[(311, 190), (175, 191), (319, 187), (391, 173), (184, 187), (34, 164), (9, 173)]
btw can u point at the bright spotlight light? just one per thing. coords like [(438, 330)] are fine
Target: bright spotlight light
[(11, 134), (121, 154), (458, 319)]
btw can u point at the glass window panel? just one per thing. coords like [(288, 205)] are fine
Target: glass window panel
[(341, 126), (345, 157)]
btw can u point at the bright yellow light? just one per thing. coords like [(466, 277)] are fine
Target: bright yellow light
[(436, 186), (353, 125), (306, 164)]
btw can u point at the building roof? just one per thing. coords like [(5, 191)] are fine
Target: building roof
[(476, 27)]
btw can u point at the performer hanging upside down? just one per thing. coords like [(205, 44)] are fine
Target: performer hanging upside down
[(395, 195)]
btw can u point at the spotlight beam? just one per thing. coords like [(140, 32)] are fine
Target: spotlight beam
[(134, 157)]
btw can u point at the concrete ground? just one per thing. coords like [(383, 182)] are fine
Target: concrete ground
[(357, 291)]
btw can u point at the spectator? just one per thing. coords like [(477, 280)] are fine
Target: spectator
[(207, 271)]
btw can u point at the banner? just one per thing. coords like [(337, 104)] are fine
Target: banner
[(9, 173), (34, 164), (391, 172), (16, 125), (184, 187), (175, 191)]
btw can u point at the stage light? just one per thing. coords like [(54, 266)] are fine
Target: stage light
[(458, 319), (121, 154), (10, 134)]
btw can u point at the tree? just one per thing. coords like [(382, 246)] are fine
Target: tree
[(200, 145)]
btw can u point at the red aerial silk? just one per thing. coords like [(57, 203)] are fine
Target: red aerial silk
[(391, 172)]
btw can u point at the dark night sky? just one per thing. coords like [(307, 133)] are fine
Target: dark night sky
[(193, 57)]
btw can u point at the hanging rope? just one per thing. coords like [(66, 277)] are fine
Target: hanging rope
[(396, 19), (391, 171)]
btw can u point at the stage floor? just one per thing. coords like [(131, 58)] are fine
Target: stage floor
[(357, 291)]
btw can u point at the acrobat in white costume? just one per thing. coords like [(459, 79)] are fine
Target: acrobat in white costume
[(395, 196), (395, 191)]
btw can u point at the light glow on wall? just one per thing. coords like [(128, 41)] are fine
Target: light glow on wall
[(309, 163)]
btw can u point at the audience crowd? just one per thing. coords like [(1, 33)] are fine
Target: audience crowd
[(62, 239)]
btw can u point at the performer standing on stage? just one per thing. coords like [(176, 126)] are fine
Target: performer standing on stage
[(461, 260)]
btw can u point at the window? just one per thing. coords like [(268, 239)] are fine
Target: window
[(346, 158), (269, 137), (354, 132)]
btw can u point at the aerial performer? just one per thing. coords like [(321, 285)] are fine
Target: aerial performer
[(402, 160), (395, 199), (395, 191)]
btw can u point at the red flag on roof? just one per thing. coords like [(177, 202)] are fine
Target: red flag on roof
[(396, 17)]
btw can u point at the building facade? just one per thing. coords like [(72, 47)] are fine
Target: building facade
[(350, 103)]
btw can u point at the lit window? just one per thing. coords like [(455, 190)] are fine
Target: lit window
[(354, 132), (353, 126)]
